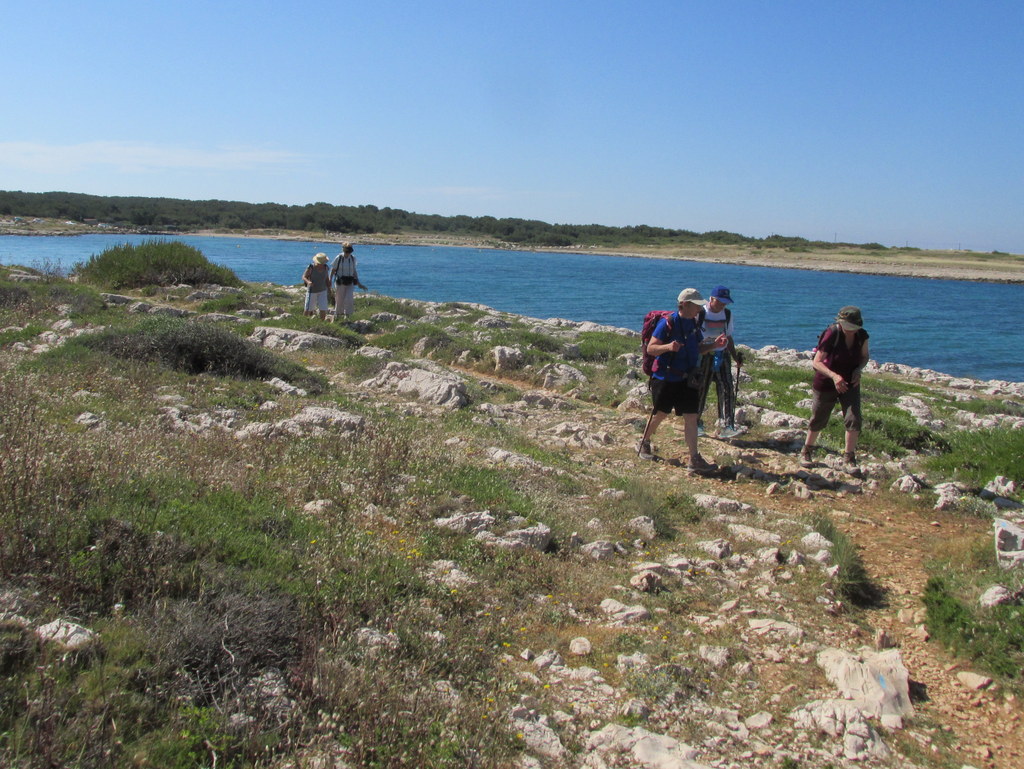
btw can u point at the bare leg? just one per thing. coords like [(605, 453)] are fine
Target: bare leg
[(656, 419), (851, 441), (690, 430)]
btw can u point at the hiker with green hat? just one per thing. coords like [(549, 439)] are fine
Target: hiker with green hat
[(840, 357)]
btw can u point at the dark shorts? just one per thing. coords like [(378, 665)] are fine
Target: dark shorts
[(678, 396), (823, 403)]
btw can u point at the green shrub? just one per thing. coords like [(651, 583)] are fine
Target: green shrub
[(229, 303), (155, 262), (977, 456), (993, 640), (197, 348), (602, 346)]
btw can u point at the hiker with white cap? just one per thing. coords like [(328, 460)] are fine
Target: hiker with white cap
[(317, 281), (677, 343), (840, 357)]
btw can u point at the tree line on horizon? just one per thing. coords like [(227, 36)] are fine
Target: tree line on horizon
[(162, 214)]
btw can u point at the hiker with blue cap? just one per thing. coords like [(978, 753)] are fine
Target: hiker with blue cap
[(717, 364)]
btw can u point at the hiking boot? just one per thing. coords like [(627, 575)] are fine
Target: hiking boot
[(643, 450), (807, 457), (697, 464), (850, 459)]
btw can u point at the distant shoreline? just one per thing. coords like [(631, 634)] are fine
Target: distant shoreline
[(906, 263)]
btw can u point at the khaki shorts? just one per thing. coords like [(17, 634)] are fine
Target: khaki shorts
[(823, 403)]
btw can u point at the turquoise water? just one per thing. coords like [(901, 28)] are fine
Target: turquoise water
[(962, 328)]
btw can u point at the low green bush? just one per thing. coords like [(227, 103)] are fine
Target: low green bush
[(993, 639), (229, 303), (977, 456), (154, 262), (198, 348)]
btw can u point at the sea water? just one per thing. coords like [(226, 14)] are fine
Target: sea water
[(963, 328)]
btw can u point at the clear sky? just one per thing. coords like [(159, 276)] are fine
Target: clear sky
[(897, 122)]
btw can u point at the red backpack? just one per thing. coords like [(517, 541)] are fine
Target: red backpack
[(651, 321)]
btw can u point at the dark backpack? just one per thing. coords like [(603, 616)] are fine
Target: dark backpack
[(651, 321), (858, 339)]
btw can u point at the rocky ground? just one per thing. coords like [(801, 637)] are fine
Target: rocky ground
[(781, 671)]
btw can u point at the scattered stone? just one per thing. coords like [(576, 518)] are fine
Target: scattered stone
[(290, 340), (1009, 543), (644, 526), (996, 596), (973, 680), (649, 750), (721, 504), (507, 358), (467, 523), (601, 550), (760, 720), (716, 548), (876, 682), (312, 421), (580, 646), (559, 375), (646, 581), (840, 718), (377, 641), (66, 634), (716, 656), (774, 626), (538, 736), (445, 390), (621, 613), (535, 537)]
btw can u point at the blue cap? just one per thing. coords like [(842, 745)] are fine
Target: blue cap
[(721, 293)]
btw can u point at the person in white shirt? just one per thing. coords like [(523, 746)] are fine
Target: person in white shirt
[(346, 278), (717, 365)]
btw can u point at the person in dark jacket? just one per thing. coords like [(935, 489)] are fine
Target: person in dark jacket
[(841, 356)]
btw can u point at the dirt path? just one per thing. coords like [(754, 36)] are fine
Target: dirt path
[(988, 725)]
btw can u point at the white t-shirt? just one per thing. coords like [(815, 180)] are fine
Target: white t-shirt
[(715, 324)]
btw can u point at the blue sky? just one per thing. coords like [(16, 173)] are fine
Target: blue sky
[(896, 122)]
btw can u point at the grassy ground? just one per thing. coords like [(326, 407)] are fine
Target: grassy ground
[(282, 600)]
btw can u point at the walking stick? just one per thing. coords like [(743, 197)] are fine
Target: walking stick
[(736, 385)]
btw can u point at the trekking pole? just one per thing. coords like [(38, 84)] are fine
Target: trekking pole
[(736, 385)]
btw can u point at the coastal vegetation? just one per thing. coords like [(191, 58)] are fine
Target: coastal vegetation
[(267, 595), (168, 214), (153, 263)]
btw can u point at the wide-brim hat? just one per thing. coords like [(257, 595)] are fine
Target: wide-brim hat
[(849, 318), (320, 258)]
